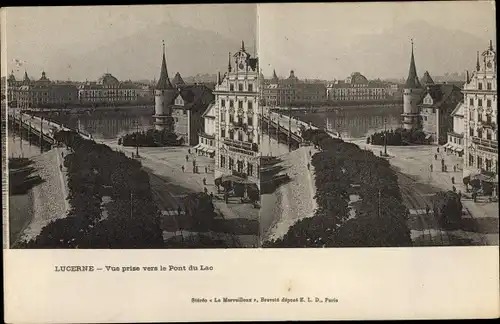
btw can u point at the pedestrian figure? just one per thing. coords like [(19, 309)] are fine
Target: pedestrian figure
[(453, 180), (459, 195), (182, 167), (454, 168), (132, 154), (194, 170), (474, 196), (438, 149), (211, 196), (206, 169), (187, 158), (194, 163), (454, 189), (189, 151), (205, 190), (435, 156), (445, 168), (308, 166), (204, 181), (431, 167), (427, 210), (179, 210), (309, 152), (60, 167)]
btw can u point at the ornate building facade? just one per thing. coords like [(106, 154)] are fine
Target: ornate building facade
[(237, 125), (107, 90), (358, 88), (480, 115)]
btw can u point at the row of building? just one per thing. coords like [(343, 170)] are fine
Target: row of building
[(282, 92), (463, 120), (28, 93)]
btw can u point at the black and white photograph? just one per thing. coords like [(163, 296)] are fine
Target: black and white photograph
[(233, 126), (250, 162), (112, 130), (381, 124)]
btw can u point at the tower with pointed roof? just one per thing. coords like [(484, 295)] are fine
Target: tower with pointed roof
[(164, 96), (411, 96)]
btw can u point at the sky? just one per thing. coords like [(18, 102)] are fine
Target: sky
[(320, 40), (38, 35), (316, 40)]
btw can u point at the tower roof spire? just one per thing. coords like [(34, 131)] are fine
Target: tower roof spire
[(229, 68), (478, 67), (467, 77), (164, 81), (412, 81), (243, 46), (491, 45)]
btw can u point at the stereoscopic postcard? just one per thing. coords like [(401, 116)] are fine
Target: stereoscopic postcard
[(213, 162)]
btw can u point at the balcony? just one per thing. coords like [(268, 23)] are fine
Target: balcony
[(488, 124), (485, 142), (241, 147)]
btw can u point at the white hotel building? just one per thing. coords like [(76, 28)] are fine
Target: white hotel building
[(237, 135), (480, 116)]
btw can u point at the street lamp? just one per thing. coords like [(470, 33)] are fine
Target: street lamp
[(385, 136)]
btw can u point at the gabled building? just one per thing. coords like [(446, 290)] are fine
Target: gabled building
[(436, 107), (206, 140), (455, 144), (188, 107)]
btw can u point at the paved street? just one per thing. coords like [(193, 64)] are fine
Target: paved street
[(415, 161)]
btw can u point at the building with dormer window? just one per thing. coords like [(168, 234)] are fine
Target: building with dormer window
[(480, 115), (237, 110)]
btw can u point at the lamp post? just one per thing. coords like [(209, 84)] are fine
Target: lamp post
[(137, 140), (289, 128), (385, 136)]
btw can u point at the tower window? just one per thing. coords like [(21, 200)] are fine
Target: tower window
[(480, 102), (250, 87), (223, 103), (240, 104), (250, 105), (488, 86), (488, 103), (231, 103), (471, 102), (231, 87), (240, 87), (480, 86)]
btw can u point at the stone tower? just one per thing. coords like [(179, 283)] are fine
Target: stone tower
[(164, 96), (411, 96)]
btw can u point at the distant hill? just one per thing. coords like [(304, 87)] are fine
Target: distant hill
[(437, 50), (189, 51)]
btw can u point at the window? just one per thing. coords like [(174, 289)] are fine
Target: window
[(223, 133), (488, 134), (223, 116), (479, 117), (240, 86), (479, 162), (480, 86), (479, 102), (231, 103), (488, 103), (250, 121), (471, 159), (480, 133), (471, 115), (471, 102), (240, 166), (250, 105), (231, 134), (250, 169), (471, 132), (240, 104), (488, 118), (425, 118), (240, 136), (488, 164), (488, 86), (231, 163), (250, 87), (222, 161), (231, 87), (223, 103), (231, 118)]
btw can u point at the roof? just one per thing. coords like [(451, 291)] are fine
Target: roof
[(439, 93), (426, 79), (178, 81), (459, 110), (164, 81), (194, 95), (412, 80), (209, 111)]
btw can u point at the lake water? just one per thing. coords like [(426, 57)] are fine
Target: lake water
[(355, 123)]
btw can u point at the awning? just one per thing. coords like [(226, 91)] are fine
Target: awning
[(428, 136), (447, 145), (211, 151), (197, 146), (460, 149)]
